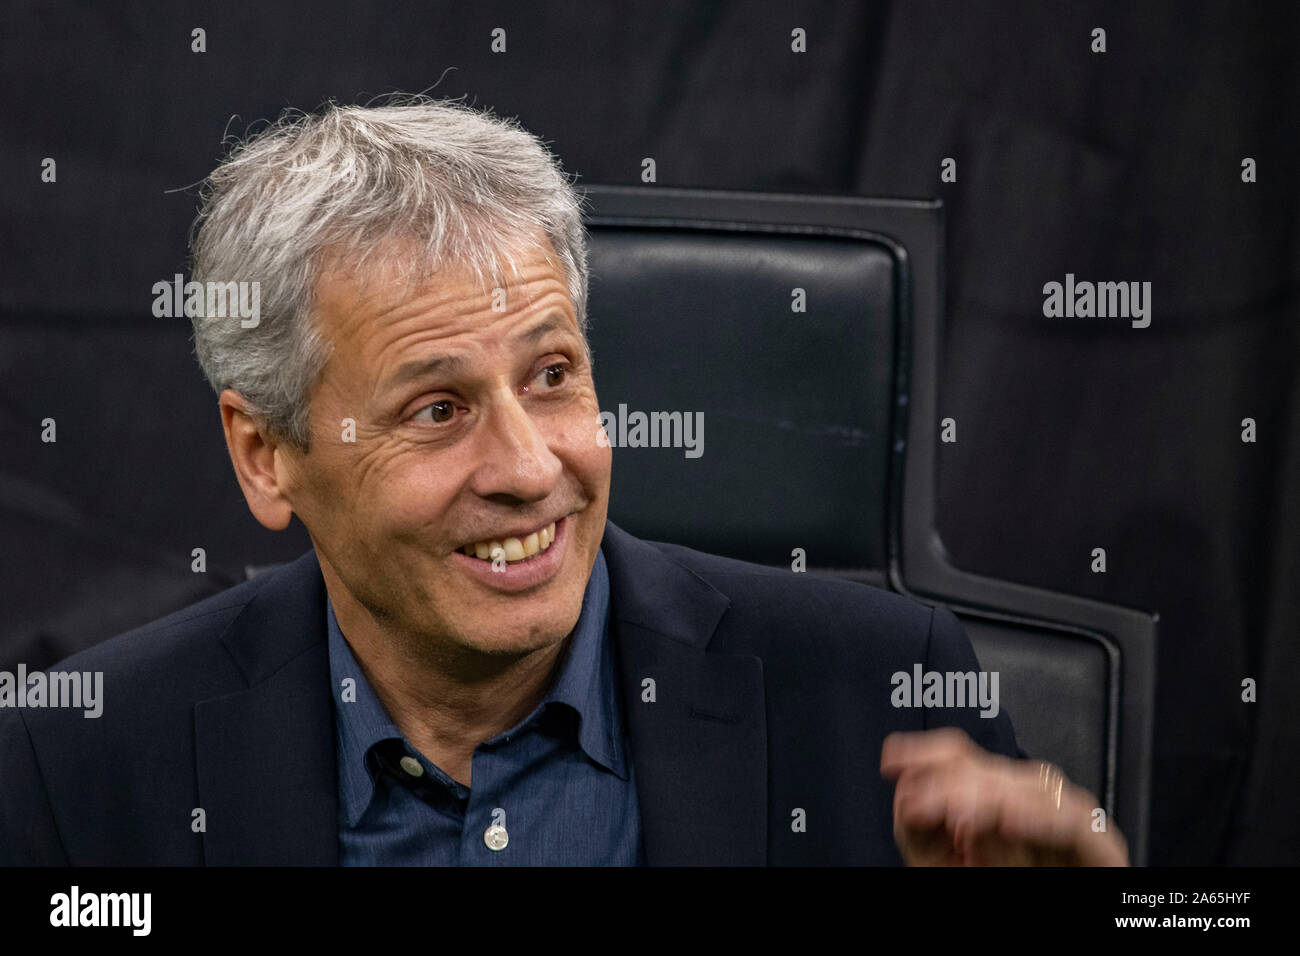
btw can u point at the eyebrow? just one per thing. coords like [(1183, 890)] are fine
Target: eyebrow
[(421, 368)]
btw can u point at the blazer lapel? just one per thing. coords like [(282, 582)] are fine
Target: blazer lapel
[(696, 721), (266, 754)]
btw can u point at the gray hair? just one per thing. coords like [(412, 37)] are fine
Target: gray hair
[(459, 187)]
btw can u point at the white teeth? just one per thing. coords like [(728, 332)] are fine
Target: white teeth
[(513, 549)]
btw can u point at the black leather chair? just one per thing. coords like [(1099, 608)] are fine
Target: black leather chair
[(820, 431)]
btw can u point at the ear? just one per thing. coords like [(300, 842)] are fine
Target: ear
[(259, 462)]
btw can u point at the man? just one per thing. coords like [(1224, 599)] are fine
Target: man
[(472, 665)]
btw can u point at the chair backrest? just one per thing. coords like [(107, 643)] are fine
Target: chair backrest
[(805, 331)]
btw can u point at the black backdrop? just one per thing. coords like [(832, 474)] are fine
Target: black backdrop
[(1123, 165)]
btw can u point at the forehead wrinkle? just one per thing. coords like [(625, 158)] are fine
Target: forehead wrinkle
[(385, 291), (472, 320), (454, 363), (470, 311), (365, 315)]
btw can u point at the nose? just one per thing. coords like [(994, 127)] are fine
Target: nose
[(516, 463)]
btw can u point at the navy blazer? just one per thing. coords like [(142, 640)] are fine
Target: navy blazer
[(772, 696)]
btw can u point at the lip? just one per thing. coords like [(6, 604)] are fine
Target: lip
[(499, 535), (523, 575)]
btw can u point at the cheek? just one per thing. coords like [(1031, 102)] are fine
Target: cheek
[(583, 451), (320, 484), (371, 492), (602, 460), (408, 498)]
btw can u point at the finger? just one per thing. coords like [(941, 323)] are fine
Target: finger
[(959, 796), (974, 801), (975, 807), (993, 849), (997, 812), (920, 817), (1031, 816), (994, 815), (945, 813), (915, 748), (921, 800), (927, 847)]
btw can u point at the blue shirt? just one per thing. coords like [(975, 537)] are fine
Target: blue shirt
[(559, 783)]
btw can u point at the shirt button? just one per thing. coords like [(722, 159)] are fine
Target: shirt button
[(496, 837), (411, 766)]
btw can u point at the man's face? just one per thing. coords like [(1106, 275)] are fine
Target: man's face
[(475, 425)]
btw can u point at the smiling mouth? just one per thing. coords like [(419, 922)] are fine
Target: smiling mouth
[(513, 549)]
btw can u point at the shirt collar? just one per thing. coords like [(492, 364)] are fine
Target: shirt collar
[(585, 682)]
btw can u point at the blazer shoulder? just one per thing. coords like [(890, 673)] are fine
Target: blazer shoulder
[(160, 653), (819, 632), (833, 611)]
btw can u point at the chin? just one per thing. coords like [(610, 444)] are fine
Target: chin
[(513, 644), (524, 636)]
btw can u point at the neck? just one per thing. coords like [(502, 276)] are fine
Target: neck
[(445, 700)]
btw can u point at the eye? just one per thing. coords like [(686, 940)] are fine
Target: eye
[(554, 375), (439, 412)]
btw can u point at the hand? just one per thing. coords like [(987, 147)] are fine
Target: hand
[(956, 804)]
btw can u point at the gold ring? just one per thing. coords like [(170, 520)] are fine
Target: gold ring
[(1051, 780)]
